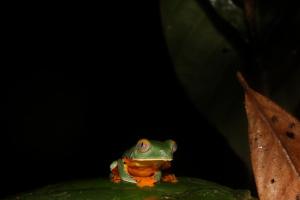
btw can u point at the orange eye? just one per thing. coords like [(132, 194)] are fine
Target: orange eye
[(143, 145)]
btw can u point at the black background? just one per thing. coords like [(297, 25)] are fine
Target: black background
[(82, 83)]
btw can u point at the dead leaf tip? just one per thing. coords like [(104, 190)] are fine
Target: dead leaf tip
[(242, 81)]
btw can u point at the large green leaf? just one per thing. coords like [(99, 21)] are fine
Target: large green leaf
[(103, 189), (206, 64), (208, 43)]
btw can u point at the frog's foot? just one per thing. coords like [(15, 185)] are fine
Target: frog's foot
[(115, 176), (145, 181), (169, 178)]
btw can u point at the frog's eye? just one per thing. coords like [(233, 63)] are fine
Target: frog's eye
[(173, 145), (143, 145)]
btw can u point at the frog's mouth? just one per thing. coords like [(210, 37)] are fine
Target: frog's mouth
[(148, 162), (146, 167)]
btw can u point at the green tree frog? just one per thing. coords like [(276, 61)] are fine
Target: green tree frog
[(145, 164)]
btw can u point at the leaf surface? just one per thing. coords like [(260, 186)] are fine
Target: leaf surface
[(198, 50), (274, 137), (103, 189)]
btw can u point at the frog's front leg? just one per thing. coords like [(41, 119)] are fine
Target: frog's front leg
[(125, 176)]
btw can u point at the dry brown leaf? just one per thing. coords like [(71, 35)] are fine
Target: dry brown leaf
[(274, 137)]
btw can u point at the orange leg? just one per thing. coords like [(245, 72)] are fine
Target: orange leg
[(115, 176), (167, 175), (169, 178)]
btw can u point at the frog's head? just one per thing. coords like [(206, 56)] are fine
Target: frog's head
[(151, 150)]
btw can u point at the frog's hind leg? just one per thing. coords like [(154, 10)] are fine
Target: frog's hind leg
[(114, 175), (169, 178), (167, 175)]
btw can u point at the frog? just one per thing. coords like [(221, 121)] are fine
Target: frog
[(145, 164)]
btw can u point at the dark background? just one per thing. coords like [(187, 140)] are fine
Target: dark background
[(82, 83)]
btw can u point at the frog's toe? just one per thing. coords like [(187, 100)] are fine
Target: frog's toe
[(115, 178), (169, 178)]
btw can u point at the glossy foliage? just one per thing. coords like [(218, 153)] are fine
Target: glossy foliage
[(186, 189), (209, 40)]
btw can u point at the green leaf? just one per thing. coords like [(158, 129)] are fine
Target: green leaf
[(233, 14), (206, 64), (185, 189), (208, 44)]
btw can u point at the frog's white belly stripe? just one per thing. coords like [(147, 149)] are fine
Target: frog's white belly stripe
[(151, 159)]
